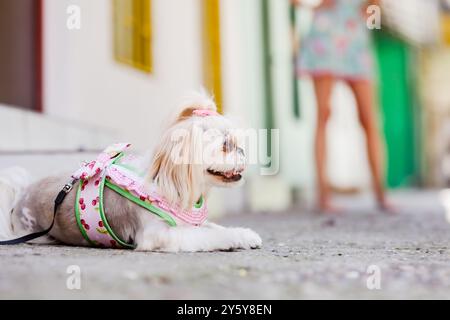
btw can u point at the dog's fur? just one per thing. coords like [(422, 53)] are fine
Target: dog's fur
[(184, 183)]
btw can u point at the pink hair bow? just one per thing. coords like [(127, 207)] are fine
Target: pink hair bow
[(204, 112)]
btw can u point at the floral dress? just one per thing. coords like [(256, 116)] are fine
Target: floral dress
[(338, 43)]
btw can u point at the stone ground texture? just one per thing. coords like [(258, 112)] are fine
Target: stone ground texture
[(304, 256)]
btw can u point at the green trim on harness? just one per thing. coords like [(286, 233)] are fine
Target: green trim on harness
[(163, 215), (102, 211), (105, 221)]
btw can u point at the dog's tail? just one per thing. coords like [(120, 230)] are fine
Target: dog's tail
[(13, 182)]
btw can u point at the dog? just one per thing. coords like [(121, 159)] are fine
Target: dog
[(198, 151)]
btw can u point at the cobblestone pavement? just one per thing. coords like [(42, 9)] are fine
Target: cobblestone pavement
[(304, 256)]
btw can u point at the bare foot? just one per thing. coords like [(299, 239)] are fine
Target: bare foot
[(327, 208)]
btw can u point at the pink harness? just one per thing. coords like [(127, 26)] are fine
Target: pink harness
[(110, 170)]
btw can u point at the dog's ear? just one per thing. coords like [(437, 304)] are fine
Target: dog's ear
[(194, 102)]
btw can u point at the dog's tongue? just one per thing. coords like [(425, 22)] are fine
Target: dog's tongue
[(232, 173)]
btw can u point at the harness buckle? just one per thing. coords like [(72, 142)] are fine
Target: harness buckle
[(67, 188)]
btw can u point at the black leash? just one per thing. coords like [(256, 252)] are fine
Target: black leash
[(58, 201)]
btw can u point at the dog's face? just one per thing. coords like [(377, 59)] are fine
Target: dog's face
[(224, 157), (200, 150)]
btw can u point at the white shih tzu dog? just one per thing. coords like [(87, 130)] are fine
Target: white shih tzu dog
[(122, 200)]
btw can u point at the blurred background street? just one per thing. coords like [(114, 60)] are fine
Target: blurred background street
[(79, 75)]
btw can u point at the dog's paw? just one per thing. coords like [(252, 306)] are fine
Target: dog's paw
[(247, 239)]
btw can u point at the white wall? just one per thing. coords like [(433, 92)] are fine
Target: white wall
[(84, 83), (241, 75), (242, 72)]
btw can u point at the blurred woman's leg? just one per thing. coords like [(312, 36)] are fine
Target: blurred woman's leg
[(365, 99), (323, 86)]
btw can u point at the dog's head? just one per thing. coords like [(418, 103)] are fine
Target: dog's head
[(198, 151)]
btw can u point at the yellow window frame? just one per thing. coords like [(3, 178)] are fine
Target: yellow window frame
[(212, 58), (133, 33)]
